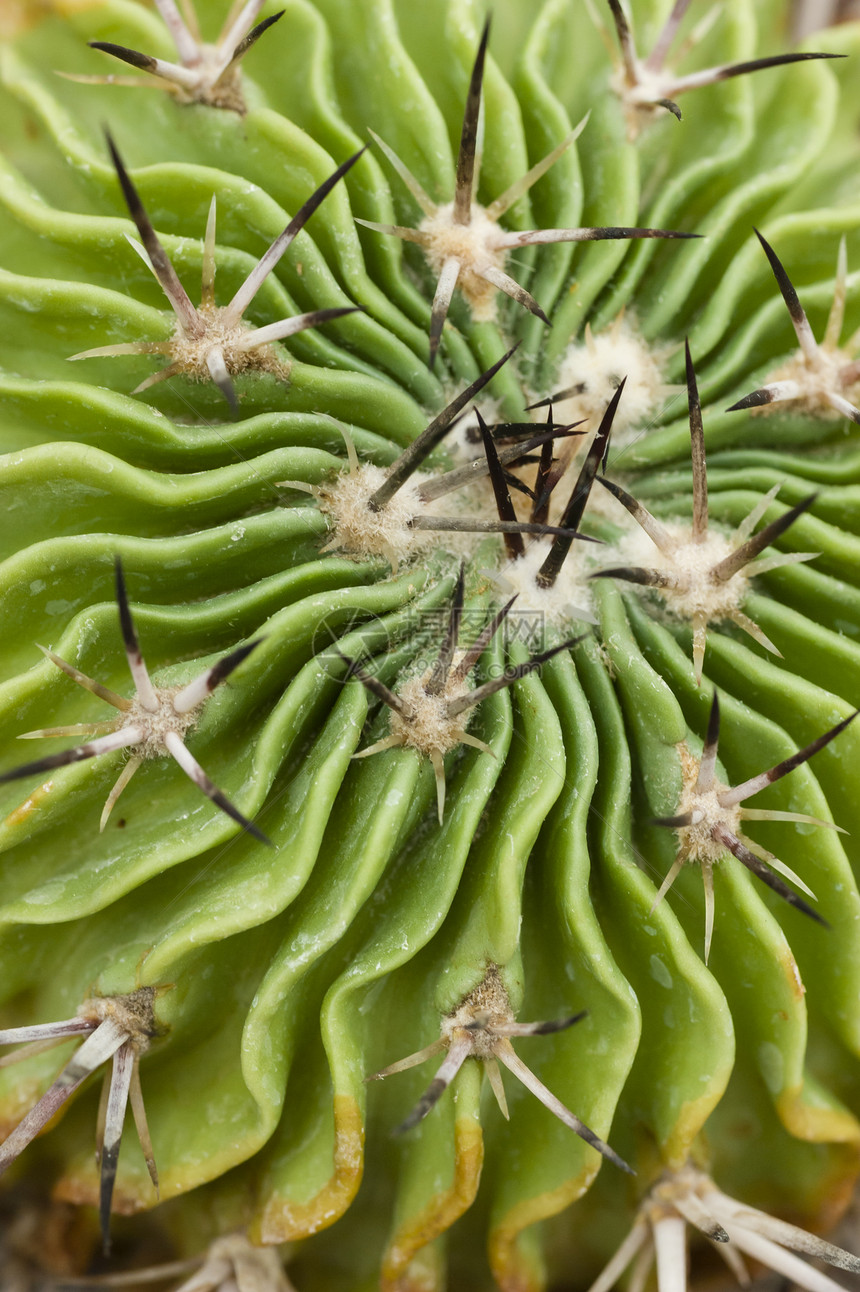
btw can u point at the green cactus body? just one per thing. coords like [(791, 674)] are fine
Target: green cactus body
[(278, 979)]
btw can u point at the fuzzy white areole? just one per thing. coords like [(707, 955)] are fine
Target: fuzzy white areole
[(688, 1196), (819, 378), (392, 512), (592, 369), (211, 342), (115, 1028), (152, 723), (648, 88), (482, 1027), (709, 821), (207, 71), (463, 242), (430, 713), (548, 577), (230, 1263), (702, 575)]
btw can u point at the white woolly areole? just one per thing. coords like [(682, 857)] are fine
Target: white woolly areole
[(473, 245), (641, 99), (697, 841), (674, 1186), (133, 1013), (209, 64), (155, 726), (570, 597), (425, 725), (598, 364), (830, 370), (688, 1196), (216, 85), (488, 1005), (360, 532), (190, 352), (692, 591), (645, 91)]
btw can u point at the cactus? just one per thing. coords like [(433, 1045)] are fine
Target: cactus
[(474, 663)]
